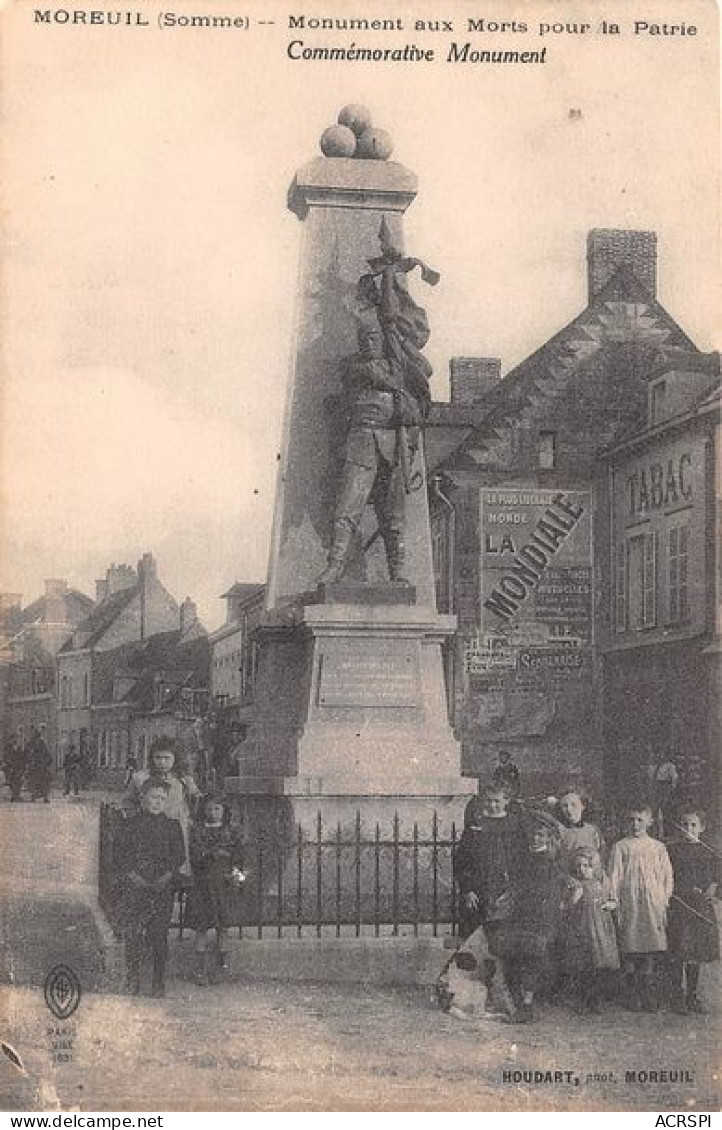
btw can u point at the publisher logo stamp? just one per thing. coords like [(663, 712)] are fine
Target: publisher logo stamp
[(62, 991)]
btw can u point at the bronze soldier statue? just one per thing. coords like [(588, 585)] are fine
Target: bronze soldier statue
[(386, 386)]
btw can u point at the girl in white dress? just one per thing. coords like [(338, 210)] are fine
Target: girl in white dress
[(641, 880)]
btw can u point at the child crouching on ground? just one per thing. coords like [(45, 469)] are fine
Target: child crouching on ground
[(151, 855), (217, 866), (590, 936), (640, 875), (693, 931)]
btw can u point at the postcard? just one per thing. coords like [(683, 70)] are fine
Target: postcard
[(360, 669)]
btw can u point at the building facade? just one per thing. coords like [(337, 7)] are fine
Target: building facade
[(234, 657), (521, 526), (40, 630), (659, 624), (133, 605)]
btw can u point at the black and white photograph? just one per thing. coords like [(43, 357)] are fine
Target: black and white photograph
[(360, 616)]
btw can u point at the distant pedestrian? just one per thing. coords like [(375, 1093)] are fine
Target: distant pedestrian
[(151, 853), (641, 879), (72, 768), (14, 766), (39, 768), (693, 933), (217, 864), (590, 941), (131, 768)]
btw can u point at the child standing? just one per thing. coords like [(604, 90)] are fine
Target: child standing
[(525, 941), (591, 941), (486, 860), (577, 831), (693, 931), (640, 875), (150, 858), (217, 865)]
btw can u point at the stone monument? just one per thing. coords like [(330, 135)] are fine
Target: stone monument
[(350, 706)]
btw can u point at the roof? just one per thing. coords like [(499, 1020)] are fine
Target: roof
[(624, 312), (100, 619), (181, 662), (36, 611), (244, 590)]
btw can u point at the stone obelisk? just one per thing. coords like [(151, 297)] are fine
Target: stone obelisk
[(350, 704)]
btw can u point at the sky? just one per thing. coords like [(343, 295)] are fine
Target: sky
[(149, 282)]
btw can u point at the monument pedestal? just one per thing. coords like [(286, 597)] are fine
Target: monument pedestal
[(351, 704)]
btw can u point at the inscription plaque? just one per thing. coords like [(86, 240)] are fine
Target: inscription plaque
[(390, 680)]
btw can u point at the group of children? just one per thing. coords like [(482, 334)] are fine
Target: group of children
[(534, 883), (174, 838)]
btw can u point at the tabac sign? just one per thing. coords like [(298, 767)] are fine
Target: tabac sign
[(536, 590)]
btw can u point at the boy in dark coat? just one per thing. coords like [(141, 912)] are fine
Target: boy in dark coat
[(151, 854), (692, 930), (487, 859)]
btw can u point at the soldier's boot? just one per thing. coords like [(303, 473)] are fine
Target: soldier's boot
[(342, 534), (395, 556)]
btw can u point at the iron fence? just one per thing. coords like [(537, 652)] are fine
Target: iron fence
[(349, 880)]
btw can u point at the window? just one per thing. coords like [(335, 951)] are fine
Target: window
[(642, 581), (620, 587), (658, 402), (547, 450), (677, 578)]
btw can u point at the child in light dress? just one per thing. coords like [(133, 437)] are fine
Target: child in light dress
[(590, 936), (641, 880)]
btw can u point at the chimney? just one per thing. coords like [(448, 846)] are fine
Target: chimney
[(55, 589), (609, 249), (188, 616), (119, 577), (473, 377), (101, 591), (147, 568)]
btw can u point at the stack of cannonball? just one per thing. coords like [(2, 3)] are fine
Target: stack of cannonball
[(354, 135)]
